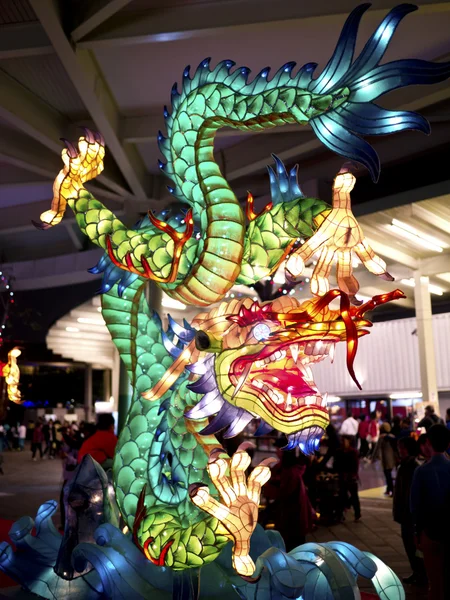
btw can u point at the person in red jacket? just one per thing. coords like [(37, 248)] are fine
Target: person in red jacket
[(363, 431), (102, 444)]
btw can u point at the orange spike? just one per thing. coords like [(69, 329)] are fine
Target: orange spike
[(251, 215), (179, 239)]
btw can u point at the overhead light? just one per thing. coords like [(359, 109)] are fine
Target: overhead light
[(89, 321), (99, 308), (405, 395), (333, 399), (167, 302), (72, 329), (444, 277), (433, 289), (417, 237)]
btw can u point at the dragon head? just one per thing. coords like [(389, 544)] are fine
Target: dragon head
[(258, 363)]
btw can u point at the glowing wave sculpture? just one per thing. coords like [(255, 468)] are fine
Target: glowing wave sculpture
[(182, 498)]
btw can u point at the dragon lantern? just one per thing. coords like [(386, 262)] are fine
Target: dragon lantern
[(182, 498)]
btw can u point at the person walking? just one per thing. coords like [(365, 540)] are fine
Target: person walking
[(430, 418), (408, 450), (36, 443), (50, 439), (291, 508), (405, 428), (363, 431), (350, 427), (4, 436), (374, 433), (386, 451), (430, 508), (102, 444), (22, 430), (346, 465)]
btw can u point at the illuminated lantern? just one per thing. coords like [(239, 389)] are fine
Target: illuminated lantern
[(11, 373), (338, 236), (181, 498)]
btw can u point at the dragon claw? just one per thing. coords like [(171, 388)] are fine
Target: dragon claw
[(193, 488), (386, 276), (71, 150), (90, 137), (99, 138), (40, 226)]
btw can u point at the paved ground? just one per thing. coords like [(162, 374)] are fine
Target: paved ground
[(26, 485)]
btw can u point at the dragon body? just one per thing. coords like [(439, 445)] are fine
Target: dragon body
[(182, 498)]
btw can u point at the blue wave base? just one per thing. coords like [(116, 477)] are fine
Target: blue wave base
[(115, 569)]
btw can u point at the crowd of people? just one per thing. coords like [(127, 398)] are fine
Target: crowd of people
[(69, 442), (304, 492)]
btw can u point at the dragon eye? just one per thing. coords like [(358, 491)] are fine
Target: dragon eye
[(261, 332)]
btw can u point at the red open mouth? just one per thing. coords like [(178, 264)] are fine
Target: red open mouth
[(281, 375)]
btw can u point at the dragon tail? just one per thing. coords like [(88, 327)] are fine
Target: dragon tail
[(365, 80)]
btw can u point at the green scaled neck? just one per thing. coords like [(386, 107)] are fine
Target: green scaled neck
[(218, 98), (158, 453)]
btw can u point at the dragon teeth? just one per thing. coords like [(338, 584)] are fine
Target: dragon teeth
[(332, 351), (294, 349), (242, 379), (309, 374), (288, 401)]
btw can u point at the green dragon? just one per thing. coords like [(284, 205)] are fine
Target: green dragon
[(168, 465)]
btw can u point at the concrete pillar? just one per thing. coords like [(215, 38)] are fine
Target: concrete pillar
[(88, 408), (427, 361), (106, 385)]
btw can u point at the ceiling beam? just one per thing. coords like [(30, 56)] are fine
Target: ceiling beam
[(206, 19), (260, 150), (392, 254), (434, 191), (98, 14), (96, 96), (144, 129), (32, 158), (435, 265), (73, 234), (28, 155), (419, 212), (252, 155), (17, 219), (66, 269), (25, 111), (20, 40)]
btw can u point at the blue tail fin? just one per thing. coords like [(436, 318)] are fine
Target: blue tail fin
[(367, 80)]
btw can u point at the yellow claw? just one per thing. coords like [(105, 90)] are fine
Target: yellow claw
[(240, 496), (338, 234), (80, 165)]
